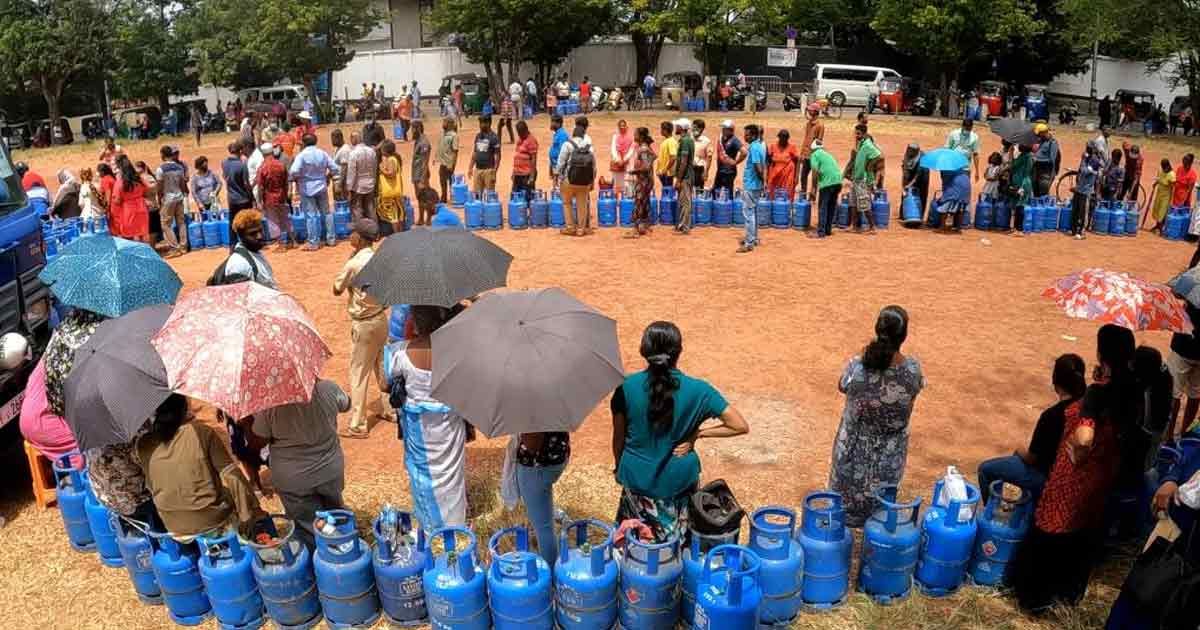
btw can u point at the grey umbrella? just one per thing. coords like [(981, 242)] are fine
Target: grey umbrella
[(118, 379), (433, 267), (526, 362), (1015, 131)]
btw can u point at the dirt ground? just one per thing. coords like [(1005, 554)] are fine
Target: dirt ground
[(772, 330)]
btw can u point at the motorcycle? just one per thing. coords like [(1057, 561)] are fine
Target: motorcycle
[(793, 101), (598, 98), (1067, 115), (213, 123), (737, 101), (921, 106)]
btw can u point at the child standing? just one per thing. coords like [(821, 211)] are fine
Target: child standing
[(991, 176), (89, 197)]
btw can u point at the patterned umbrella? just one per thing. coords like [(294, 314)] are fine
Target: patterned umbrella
[(1187, 286), (111, 276), (1119, 298), (241, 347)]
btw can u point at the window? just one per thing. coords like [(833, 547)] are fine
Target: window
[(425, 13)]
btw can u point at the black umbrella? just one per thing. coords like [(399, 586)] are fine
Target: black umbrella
[(118, 379), (1014, 130), (436, 268)]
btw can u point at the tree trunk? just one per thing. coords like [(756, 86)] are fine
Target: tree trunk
[(944, 90), (647, 48), (52, 91), (164, 103), (1189, 68)]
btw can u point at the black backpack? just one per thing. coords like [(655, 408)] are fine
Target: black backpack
[(581, 167), (220, 278)]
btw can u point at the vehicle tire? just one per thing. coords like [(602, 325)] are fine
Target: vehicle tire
[(1064, 188), (837, 99)]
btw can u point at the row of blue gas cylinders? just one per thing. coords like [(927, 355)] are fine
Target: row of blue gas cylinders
[(567, 108), (57, 234), (1115, 218), (1175, 226), (694, 105)]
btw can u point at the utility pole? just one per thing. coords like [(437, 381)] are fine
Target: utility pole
[(1095, 61)]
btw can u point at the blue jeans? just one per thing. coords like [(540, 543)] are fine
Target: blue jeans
[(749, 204), (316, 209), (536, 486), (1014, 470)]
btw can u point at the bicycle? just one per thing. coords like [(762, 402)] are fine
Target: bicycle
[(829, 109), (1064, 188), (637, 101)]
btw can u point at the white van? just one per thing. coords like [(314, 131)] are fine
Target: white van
[(848, 85), (262, 99)]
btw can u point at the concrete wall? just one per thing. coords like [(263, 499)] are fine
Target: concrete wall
[(1115, 74)]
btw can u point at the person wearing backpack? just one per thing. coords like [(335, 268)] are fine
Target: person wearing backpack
[(577, 164), (246, 262)]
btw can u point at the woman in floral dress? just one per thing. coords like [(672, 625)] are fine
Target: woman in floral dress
[(643, 172), (871, 447)]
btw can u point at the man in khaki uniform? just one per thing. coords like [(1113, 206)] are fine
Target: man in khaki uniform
[(368, 332)]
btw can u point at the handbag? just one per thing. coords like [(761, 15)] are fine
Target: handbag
[(1159, 573)]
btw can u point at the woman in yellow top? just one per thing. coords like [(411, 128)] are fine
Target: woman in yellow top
[(664, 167), (1160, 198), (391, 190)]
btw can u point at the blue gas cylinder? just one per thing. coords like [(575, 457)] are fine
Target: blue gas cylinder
[(585, 577), (137, 553), (764, 209), (299, 225), (841, 218), (343, 570), (891, 540), (100, 225), (827, 548), (222, 229), (626, 211), (341, 220), (518, 217), (737, 206), (101, 521), (985, 212), (1001, 529), (210, 230), (781, 578), (702, 207), (693, 556), (881, 208), (1103, 218), (722, 208), (520, 594), (176, 569), (493, 219), (1049, 214), (1176, 224), (667, 206), (228, 574), (539, 210), (606, 209), (195, 232), (72, 490), (455, 587), (1064, 217), (1002, 215), (399, 562), (781, 210), (459, 192), (730, 596), (557, 217), (650, 576), (283, 570), (910, 208), (947, 536), (1029, 221), (1131, 218), (653, 211), (802, 213), (474, 213)]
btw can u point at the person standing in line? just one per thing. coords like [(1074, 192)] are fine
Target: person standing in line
[(577, 166), (391, 211), (703, 160), (415, 93), (271, 188), (237, 186), (621, 154), (1020, 185), (246, 263), (368, 333), (585, 95), (729, 154), (524, 162), (754, 177), (1084, 191), (826, 186), (561, 137), (172, 193), (485, 160), (1160, 196), (515, 94), (128, 215), (865, 175), (914, 176), (372, 132), (685, 156), (361, 170), (965, 141), (206, 188), (665, 166), (1133, 170), (506, 118), (562, 89), (404, 112), (814, 129), (642, 171), (447, 156), (253, 162), (531, 95), (311, 169), (1046, 160), (422, 151), (1112, 178), (341, 157), (782, 164)]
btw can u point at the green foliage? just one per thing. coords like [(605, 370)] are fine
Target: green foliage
[(1058, 49), (949, 33), (557, 28), (849, 20), (151, 58)]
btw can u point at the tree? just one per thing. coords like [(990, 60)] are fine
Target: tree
[(51, 43), (1055, 51), (843, 23), (948, 34), (562, 27), (713, 25), (648, 23), (151, 56)]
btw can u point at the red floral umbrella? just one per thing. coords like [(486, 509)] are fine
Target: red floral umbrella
[(242, 348), (1118, 298)]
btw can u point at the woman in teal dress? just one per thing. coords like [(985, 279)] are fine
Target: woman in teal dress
[(1020, 182), (657, 418)]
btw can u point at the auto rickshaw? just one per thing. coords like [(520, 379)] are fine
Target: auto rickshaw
[(1134, 106), (991, 97), (475, 90), (676, 85), (893, 95), (1037, 108)]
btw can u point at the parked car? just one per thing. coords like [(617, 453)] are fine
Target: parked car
[(848, 85), (263, 99)]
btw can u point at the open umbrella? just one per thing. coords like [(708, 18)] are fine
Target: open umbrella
[(1014, 130), (526, 361), (118, 379), (1187, 286), (241, 347), (1117, 298), (944, 160), (111, 276), (433, 267)]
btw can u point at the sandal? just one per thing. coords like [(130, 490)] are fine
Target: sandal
[(354, 434)]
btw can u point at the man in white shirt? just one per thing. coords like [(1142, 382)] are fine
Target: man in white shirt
[(563, 88), (703, 155), (966, 141), (254, 161), (246, 263), (531, 94)]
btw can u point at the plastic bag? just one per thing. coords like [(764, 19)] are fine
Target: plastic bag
[(954, 488), (1189, 492)]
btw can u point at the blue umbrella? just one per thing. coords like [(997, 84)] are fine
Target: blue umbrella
[(944, 160), (111, 276)]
